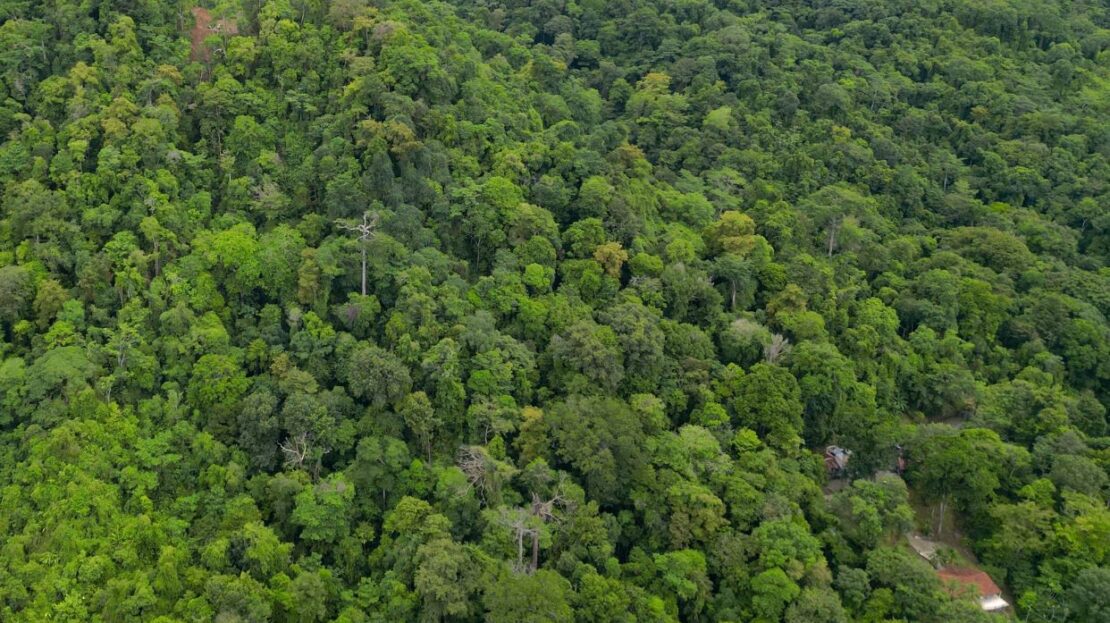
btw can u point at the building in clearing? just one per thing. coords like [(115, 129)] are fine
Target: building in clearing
[(979, 583)]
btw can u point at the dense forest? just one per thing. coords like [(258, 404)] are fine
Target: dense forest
[(547, 310)]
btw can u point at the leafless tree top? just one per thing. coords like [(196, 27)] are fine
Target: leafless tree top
[(777, 349), (365, 229)]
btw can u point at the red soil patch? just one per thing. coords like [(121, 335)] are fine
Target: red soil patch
[(203, 26), (971, 577)]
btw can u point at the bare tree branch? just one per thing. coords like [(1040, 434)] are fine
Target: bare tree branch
[(295, 450), (777, 349), (473, 463), (365, 231)]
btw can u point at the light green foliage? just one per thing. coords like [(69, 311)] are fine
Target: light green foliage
[(871, 510), (768, 401), (321, 510), (625, 269), (537, 598), (682, 577)]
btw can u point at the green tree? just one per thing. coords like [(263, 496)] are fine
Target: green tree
[(603, 440), (323, 510), (540, 597), (448, 577), (421, 419), (217, 384), (772, 592), (376, 375), (768, 401)]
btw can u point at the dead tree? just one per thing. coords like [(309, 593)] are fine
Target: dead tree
[(521, 524), (834, 229), (476, 465), (544, 510), (527, 523), (777, 348), (295, 450), (365, 231)]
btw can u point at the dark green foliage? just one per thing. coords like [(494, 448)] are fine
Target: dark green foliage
[(406, 311)]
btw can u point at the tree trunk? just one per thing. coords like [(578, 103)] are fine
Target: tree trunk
[(364, 271), (520, 548), (535, 550), (832, 237), (940, 524)]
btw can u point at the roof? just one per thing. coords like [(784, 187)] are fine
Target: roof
[(837, 457), (971, 577), (924, 547), (992, 603)]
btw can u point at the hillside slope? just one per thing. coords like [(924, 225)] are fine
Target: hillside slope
[(546, 311)]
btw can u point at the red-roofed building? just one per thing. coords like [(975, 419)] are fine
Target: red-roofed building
[(990, 596)]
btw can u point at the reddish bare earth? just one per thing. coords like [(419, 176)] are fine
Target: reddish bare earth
[(203, 26)]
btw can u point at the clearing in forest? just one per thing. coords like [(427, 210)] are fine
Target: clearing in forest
[(204, 26)]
